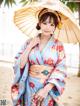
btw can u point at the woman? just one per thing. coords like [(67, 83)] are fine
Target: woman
[(40, 66)]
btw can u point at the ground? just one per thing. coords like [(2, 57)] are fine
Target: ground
[(70, 97)]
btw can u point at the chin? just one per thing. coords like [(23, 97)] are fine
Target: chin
[(47, 34)]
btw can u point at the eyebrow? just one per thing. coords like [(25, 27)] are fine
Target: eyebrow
[(48, 22)]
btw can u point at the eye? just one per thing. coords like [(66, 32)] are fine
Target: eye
[(52, 24), (44, 23)]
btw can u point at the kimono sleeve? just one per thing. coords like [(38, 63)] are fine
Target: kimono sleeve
[(58, 74), (20, 76), (17, 71)]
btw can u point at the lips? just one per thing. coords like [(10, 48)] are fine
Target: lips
[(47, 31)]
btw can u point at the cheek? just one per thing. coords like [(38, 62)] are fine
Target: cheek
[(43, 27), (52, 28)]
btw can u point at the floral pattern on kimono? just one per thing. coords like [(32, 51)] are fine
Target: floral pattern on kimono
[(24, 86)]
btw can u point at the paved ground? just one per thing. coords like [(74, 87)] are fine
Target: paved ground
[(71, 96)]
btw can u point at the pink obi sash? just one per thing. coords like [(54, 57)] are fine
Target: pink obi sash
[(40, 71)]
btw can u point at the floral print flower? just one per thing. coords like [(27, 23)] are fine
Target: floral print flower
[(51, 102), (31, 84), (60, 48), (49, 61)]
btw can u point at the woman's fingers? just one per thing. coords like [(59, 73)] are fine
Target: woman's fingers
[(40, 101), (38, 97), (35, 41)]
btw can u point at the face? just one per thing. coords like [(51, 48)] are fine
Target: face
[(47, 28)]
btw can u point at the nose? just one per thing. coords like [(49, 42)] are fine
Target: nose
[(48, 26)]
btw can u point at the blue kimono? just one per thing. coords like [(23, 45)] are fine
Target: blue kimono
[(24, 85)]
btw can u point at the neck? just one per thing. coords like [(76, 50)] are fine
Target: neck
[(44, 37)]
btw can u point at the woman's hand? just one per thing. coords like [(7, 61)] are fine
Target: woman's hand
[(40, 96), (34, 41), (24, 56), (42, 93)]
